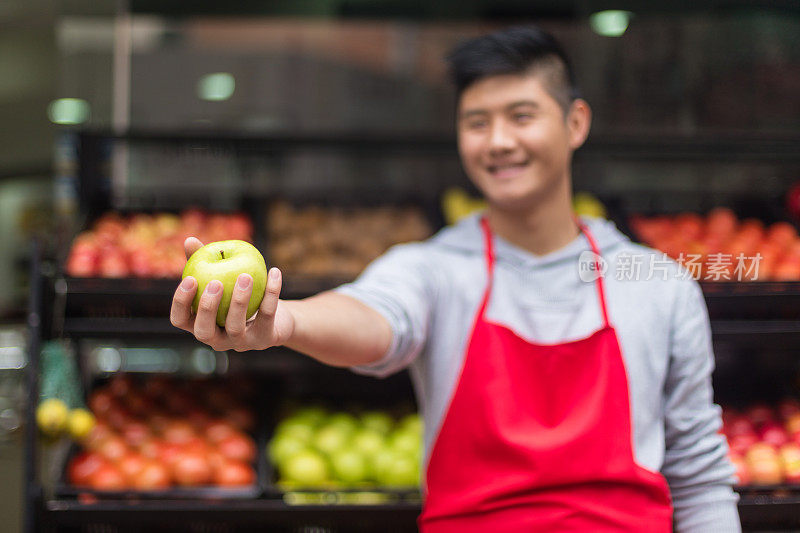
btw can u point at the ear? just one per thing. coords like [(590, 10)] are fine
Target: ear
[(579, 121)]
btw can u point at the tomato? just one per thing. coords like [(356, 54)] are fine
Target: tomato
[(218, 430), (179, 403), (169, 452), (83, 466), (100, 432), (151, 448), (158, 421), (136, 433), (100, 402), (157, 386), (118, 417), (179, 432), (191, 468), (107, 477), (238, 447), (120, 385), (131, 464), (241, 417), (113, 448), (152, 476), (138, 404), (198, 418), (234, 474)]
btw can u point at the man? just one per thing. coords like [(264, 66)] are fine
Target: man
[(554, 399)]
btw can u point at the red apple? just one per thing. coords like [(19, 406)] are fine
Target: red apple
[(790, 457), (772, 433), (741, 443), (760, 414), (742, 471), (740, 425), (792, 423), (793, 200), (114, 265), (760, 451), (766, 470)]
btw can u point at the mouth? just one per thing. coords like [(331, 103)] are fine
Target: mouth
[(506, 170)]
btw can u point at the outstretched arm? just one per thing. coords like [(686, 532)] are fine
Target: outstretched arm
[(333, 328)]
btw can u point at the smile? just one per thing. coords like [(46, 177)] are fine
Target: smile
[(506, 171)]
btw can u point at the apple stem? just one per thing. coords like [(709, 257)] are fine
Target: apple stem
[(223, 253)]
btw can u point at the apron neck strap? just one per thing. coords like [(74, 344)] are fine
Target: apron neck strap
[(489, 252)]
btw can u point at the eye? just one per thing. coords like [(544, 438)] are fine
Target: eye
[(476, 124), (522, 118)]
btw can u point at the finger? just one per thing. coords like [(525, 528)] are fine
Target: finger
[(266, 311), (237, 312), (191, 245), (180, 315), (205, 323)]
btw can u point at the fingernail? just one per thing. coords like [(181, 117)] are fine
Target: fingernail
[(187, 284), (244, 282), (213, 287), (274, 274)]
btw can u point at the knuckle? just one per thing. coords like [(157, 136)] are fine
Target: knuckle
[(235, 330), (240, 297), (207, 305)]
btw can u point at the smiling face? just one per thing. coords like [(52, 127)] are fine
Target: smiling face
[(515, 141)]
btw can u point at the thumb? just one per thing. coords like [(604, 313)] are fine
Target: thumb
[(191, 245)]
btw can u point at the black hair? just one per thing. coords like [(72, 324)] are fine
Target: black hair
[(515, 50)]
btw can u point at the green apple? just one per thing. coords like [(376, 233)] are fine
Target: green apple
[(312, 415), (403, 471), (283, 446), (412, 422), (368, 441), (297, 428), (349, 466), (224, 261), (331, 438), (377, 420), (344, 420), (306, 468), (405, 441)]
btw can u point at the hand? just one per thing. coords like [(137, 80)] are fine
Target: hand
[(272, 326)]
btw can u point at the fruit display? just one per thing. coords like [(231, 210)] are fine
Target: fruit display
[(224, 261), (314, 448), (720, 247), (338, 242), (159, 433), (148, 245), (764, 442)]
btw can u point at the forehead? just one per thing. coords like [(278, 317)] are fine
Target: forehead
[(503, 89)]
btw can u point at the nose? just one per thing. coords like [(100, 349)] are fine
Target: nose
[(501, 139)]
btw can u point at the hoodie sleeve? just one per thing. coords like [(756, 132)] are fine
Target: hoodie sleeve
[(696, 465), (400, 287)]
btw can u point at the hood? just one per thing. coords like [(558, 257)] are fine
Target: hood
[(467, 237)]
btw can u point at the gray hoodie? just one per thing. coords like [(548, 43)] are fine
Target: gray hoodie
[(430, 292)]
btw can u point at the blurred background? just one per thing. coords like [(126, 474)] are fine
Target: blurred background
[(308, 112)]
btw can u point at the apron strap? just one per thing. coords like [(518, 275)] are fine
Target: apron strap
[(489, 252)]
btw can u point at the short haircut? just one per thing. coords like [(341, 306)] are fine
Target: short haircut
[(515, 50)]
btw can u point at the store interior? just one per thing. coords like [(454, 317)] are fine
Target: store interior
[(322, 131)]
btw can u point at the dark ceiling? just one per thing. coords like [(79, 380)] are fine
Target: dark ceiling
[(451, 9)]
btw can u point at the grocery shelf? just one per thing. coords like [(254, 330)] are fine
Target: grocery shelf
[(757, 300), (764, 512), (234, 515)]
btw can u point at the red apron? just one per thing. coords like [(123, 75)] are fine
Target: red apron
[(538, 438)]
